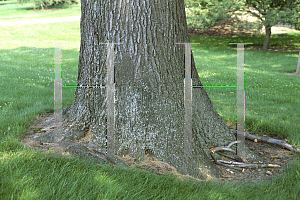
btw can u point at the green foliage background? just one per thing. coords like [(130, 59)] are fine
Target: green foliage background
[(205, 13), (48, 3)]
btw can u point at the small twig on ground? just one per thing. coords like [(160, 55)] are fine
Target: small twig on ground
[(224, 148), (235, 165), (243, 165)]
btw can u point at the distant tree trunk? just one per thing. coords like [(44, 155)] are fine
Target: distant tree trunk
[(298, 66), (149, 72), (267, 38)]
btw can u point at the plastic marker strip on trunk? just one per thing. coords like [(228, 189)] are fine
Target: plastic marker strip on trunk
[(188, 139), (110, 90), (57, 90), (240, 97), (58, 93), (57, 83)]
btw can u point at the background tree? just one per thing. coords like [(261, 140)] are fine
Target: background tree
[(272, 12), (149, 74)]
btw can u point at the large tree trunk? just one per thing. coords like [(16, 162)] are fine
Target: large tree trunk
[(267, 38), (149, 74)]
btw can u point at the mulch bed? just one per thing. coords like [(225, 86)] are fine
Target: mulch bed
[(271, 154)]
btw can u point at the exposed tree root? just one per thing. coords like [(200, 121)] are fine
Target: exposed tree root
[(244, 165)]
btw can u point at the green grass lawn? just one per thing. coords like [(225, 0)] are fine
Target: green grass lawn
[(26, 79), (11, 10), (271, 96)]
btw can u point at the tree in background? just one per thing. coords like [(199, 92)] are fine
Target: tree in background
[(203, 14), (272, 12)]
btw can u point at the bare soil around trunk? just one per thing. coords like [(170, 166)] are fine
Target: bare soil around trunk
[(39, 137)]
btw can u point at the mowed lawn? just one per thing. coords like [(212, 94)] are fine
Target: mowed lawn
[(27, 81), (11, 10)]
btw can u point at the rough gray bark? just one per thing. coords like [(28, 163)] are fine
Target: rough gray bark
[(267, 38), (149, 72)]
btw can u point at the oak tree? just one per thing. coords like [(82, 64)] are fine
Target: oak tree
[(149, 75)]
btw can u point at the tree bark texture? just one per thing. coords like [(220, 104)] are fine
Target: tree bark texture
[(149, 90)]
